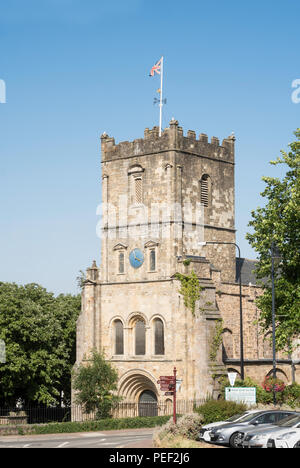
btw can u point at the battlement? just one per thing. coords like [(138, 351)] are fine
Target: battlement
[(172, 139)]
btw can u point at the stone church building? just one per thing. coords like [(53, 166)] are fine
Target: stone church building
[(162, 199)]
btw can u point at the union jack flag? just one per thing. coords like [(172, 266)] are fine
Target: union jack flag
[(156, 68)]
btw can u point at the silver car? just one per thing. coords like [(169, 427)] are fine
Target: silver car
[(259, 438), (229, 434), (205, 430), (289, 439)]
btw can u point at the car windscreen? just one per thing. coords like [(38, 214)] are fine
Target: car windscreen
[(250, 416), (289, 421), (235, 417)]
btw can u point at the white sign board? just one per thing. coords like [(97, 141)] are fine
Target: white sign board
[(232, 377), (245, 395), (178, 384)]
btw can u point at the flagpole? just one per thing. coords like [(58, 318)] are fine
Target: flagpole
[(161, 95)]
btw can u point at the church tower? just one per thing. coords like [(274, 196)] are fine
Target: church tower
[(161, 197), (153, 188)]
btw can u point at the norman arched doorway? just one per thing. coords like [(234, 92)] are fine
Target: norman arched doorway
[(148, 403)]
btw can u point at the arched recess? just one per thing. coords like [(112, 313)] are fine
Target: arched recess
[(133, 383), (280, 374), (118, 332), (137, 326), (158, 336), (117, 335), (227, 344)]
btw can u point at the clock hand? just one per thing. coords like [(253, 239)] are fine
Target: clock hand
[(137, 259)]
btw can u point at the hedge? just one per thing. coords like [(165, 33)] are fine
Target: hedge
[(100, 425), (219, 410)]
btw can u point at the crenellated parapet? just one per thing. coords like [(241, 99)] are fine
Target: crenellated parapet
[(172, 138)]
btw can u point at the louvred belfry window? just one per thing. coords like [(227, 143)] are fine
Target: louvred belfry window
[(138, 190), (204, 190), (121, 262)]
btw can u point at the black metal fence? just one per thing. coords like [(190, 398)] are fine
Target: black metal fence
[(34, 415), (42, 415)]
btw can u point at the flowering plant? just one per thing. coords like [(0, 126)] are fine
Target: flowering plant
[(271, 384)]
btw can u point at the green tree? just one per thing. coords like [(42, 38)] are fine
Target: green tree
[(95, 384), (39, 333), (279, 222)]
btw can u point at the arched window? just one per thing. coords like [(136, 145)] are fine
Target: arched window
[(151, 248), (119, 337), (227, 345), (140, 338), (159, 339), (205, 189), (138, 190), (121, 262)]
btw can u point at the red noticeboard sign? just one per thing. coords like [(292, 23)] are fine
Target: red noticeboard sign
[(167, 383)]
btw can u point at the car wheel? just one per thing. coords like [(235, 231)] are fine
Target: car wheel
[(234, 440), (297, 445)]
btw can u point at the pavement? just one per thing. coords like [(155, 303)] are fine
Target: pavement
[(146, 443)]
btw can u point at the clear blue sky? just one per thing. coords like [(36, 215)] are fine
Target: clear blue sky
[(75, 68)]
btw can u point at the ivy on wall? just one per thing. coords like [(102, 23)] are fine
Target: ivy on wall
[(190, 290), (217, 340)]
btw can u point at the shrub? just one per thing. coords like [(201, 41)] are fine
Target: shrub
[(187, 427), (219, 410), (262, 396), (291, 395), (95, 384), (271, 384)]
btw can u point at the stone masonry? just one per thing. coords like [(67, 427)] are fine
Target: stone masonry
[(162, 196)]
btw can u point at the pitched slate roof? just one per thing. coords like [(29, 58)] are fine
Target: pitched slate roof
[(246, 268)]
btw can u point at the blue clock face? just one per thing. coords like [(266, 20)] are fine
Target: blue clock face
[(136, 258)]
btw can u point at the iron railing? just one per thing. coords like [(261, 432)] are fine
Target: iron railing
[(124, 409)]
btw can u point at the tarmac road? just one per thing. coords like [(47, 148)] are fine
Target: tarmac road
[(141, 438)]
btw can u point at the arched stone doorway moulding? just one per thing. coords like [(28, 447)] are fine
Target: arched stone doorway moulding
[(134, 382)]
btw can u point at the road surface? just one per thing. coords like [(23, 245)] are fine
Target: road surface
[(141, 438)]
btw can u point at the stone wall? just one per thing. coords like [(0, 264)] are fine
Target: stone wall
[(186, 337), (258, 356)]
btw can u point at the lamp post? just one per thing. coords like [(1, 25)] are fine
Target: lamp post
[(275, 256), (241, 305)]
